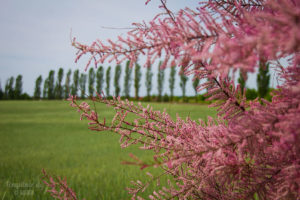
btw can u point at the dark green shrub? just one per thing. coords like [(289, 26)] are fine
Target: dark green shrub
[(166, 98), (251, 94)]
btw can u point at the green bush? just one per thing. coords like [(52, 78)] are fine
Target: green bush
[(166, 98), (269, 94), (25, 96), (251, 94)]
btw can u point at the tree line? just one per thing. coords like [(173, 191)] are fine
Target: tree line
[(99, 80), (13, 89)]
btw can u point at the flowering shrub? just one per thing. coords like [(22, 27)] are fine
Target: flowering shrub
[(252, 148)]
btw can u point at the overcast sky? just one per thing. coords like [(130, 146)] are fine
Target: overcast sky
[(35, 35)]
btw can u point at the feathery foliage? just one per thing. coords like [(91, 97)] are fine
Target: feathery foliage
[(252, 149)]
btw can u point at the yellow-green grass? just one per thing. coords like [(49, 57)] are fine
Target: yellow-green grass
[(49, 135)]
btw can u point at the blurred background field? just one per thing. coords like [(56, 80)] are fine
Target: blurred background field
[(49, 135)]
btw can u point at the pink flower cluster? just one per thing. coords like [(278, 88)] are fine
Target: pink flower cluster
[(252, 148), (58, 187)]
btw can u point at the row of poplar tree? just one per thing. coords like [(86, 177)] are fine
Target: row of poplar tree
[(99, 81), (13, 89), (75, 84)]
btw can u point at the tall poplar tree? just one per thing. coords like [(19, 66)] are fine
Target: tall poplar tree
[(45, 89), (10, 88), (75, 82), (172, 81), (37, 89), (18, 87), (82, 84), (58, 86), (137, 80), (160, 81), (148, 82), (51, 94), (127, 80), (108, 81), (263, 79), (242, 79), (117, 80), (196, 82), (99, 79), (183, 80), (195, 85), (91, 82), (1, 92), (67, 88), (6, 89)]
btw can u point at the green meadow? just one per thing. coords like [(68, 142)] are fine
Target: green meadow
[(36, 135)]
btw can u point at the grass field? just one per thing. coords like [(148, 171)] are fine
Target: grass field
[(49, 135)]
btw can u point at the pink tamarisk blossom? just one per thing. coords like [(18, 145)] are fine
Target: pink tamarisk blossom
[(58, 187), (253, 147)]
